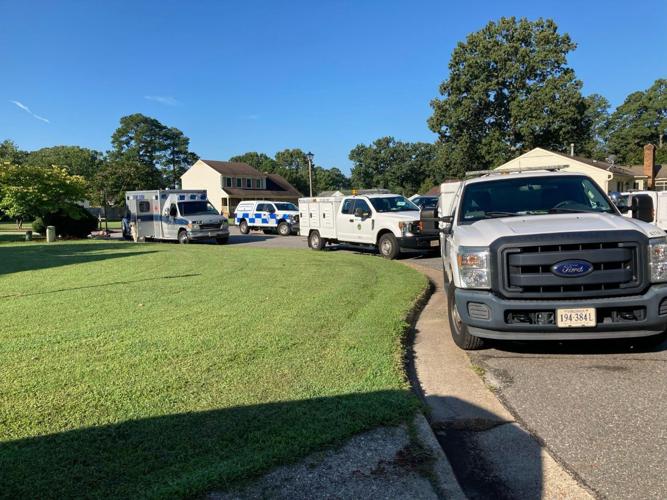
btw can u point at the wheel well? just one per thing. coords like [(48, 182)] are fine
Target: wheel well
[(242, 220), (313, 231), (381, 233)]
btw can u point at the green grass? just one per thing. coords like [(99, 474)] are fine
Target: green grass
[(11, 226), (159, 370)]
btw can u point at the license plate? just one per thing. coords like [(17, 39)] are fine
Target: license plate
[(435, 243), (574, 318)]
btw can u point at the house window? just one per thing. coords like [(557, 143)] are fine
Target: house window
[(239, 182), (258, 183), (661, 185), (228, 182), (248, 183)]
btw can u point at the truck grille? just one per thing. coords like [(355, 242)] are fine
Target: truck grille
[(209, 226), (617, 260)]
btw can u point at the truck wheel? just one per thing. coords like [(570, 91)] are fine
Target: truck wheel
[(388, 246), (183, 237), (243, 227), (315, 241), (460, 334), (284, 229)]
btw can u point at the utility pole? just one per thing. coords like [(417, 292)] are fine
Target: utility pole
[(310, 157)]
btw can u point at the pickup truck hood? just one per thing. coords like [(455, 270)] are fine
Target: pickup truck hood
[(482, 233), (409, 216)]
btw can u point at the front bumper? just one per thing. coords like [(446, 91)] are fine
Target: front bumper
[(420, 242), (205, 234), (496, 326)]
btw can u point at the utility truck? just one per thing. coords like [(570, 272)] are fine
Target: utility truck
[(373, 218), (181, 215), (648, 206), (531, 255)]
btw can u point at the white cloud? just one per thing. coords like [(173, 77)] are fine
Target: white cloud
[(166, 100), (27, 110)]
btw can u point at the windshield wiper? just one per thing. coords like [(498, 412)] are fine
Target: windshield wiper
[(569, 211), (495, 215)]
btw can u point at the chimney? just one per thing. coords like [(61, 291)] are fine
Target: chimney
[(649, 165)]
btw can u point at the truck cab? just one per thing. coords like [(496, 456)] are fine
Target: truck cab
[(388, 222), (546, 255)]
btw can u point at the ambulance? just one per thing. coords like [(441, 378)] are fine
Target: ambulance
[(176, 215)]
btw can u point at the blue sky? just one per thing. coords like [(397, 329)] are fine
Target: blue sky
[(263, 76)]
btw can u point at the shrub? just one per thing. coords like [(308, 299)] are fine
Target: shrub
[(72, 221)]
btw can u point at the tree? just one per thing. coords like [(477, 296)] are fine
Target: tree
[(402, 167), (260, 161), (329, 179), (144, 140), (596, 121), (10, 153), (640, 120), (30, 191), (292, 164), (509, 90), (118, 176), (76, 160)]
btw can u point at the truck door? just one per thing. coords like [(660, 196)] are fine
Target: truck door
[(345, 220), (363, 219)]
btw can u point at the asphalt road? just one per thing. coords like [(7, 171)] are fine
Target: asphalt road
[(600, 407)]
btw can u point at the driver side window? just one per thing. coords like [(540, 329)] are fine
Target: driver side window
[(363, 206)]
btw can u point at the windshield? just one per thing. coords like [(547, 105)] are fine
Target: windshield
[(393, 204), (286, 206), (196, 208), (532, 196), (427, 203)]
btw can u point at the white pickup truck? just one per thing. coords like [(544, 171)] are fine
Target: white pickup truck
[(374, 218), (546, 255)]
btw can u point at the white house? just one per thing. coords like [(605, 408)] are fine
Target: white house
[(228, 183), (608, 176)]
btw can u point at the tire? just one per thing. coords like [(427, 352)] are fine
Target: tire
[(388, 246), (315, 241), (460, 334), (222, 241), (183, 237), (243, 227), (284, 229)]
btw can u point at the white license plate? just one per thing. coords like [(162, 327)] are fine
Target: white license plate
[(435, 243), (574, 318)]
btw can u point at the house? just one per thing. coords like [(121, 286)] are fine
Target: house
[(608, 176), (228, 183), (649, 175)]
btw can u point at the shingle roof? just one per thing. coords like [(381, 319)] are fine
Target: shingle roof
[(234, 168), (621, 169), (659, 171)]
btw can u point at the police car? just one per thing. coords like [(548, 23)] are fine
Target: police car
[(269, 216)]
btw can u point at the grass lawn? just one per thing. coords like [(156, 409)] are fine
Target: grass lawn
[(162, 370), (11, 226)]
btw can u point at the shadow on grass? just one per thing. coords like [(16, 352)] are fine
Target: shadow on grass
[(32, 256), (189, 453)]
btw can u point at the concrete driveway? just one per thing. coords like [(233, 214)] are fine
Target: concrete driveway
[(600, 408)]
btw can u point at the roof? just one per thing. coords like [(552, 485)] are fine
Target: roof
[(620, 169), (233, 168), (659, 171), (276, 187)]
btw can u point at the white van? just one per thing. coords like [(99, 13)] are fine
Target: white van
[(269, 216), (181, 215)]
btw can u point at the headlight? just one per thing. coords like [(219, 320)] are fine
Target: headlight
[(473, 263), (657, 259), (410, 228), (193, 226)]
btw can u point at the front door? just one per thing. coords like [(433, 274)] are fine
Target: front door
[(363, 222), (345, 220)]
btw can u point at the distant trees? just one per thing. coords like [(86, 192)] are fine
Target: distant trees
[(398, 166), (641, 119), (76, 160), (292, 164)]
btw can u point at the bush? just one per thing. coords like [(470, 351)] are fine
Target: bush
[(74, 221)]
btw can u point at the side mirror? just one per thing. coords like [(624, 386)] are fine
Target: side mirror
[(358, 212), (272, 210), (445, 224), (642, 207), (173, 212)]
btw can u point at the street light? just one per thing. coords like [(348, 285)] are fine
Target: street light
[(310, 157)]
